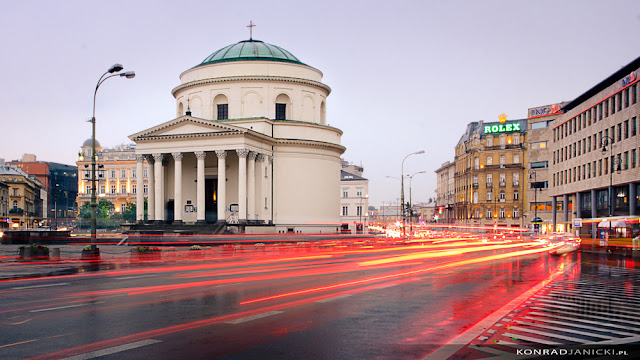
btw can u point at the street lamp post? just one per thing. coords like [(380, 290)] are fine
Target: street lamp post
[(410, 202), (115, 71), (615, 163), (532, 173), (404, 220), (360, 213)]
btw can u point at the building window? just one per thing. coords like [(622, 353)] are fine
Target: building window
[(539, 164), (223, 111), (281, 111), (476, 162), (516, 194), (477, 213), (145, 173), (516, 179), (516, 158), (516, 214), (503, 179), (475, 180), (359, 192), (15, 204), (489, 195), (502, 213), (345, 193), (88, 189), (123, 189), (538, 145), (633, 158), (113, 189), (134, 189), (123, 173), (489, 180), (503, 196), (133, 173), (489, 160), (489, 214), (537, 125), (102, 189), (475, 197), (345, 211), (503, 159), (489, 140), (359, 210), (113, 174), (516, 139), (633, 126), (145, 189), (503, 141)]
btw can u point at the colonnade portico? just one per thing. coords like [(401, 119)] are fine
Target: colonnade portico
[(252, 191)]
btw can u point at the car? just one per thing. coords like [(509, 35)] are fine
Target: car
[(569, 243)]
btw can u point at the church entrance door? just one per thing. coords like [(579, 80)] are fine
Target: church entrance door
[(210, 202)]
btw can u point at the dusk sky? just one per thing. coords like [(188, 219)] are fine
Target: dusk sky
[(405, 75)]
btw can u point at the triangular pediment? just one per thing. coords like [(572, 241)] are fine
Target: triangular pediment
[(187, 126)]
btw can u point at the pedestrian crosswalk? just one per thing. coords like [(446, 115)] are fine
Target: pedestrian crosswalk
[(576, 310)]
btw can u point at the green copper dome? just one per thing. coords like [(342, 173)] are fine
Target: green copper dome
[(250, 50)]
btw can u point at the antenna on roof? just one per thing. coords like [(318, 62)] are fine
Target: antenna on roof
[(251, 26)]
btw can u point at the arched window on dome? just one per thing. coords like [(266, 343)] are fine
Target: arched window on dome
[(221, 107), (283, 106), (180, 109), (323, 113)]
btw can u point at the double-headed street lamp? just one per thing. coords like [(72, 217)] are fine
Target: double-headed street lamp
[(404, 218), (115, 71), (615, 163)]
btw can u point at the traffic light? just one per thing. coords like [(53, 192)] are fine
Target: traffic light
[(440, 209)]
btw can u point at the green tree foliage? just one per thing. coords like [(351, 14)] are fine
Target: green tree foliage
[(129, 212), (105, 209)]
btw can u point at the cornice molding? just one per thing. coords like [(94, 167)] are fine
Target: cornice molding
[(251, 78)]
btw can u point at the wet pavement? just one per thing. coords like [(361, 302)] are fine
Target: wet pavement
[(314, 301)]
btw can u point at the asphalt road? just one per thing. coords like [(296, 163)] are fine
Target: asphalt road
[(289, 301)]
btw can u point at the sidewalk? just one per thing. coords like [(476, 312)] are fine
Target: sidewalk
[(11, 267)]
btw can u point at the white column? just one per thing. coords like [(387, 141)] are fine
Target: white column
[(268, 186), (177, 192), (260, 187), (139, 188), (200, 187), (222, 184), (251, 186), (151, 196), (242, 184), (159, 177)]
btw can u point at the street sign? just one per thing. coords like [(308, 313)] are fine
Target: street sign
[(577, 223)]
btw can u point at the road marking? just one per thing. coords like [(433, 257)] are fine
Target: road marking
[(253, 317), (113, 350), (548, 334), (38, 286), (334, 298), (591, 316), (593, 295), (444, 352), (18, 343), (488, 350), (134, 277), (530, 339), (548, 327), (600, 329), (58, 308), (576, 310), (583, 305)]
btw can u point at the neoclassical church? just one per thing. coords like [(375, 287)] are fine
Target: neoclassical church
[(250, 147)]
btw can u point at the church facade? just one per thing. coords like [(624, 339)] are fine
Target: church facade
[(250, 146)]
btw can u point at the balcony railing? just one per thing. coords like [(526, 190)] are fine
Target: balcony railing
[(516, 183), (503, 183), (489, 184), (475, 185)]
